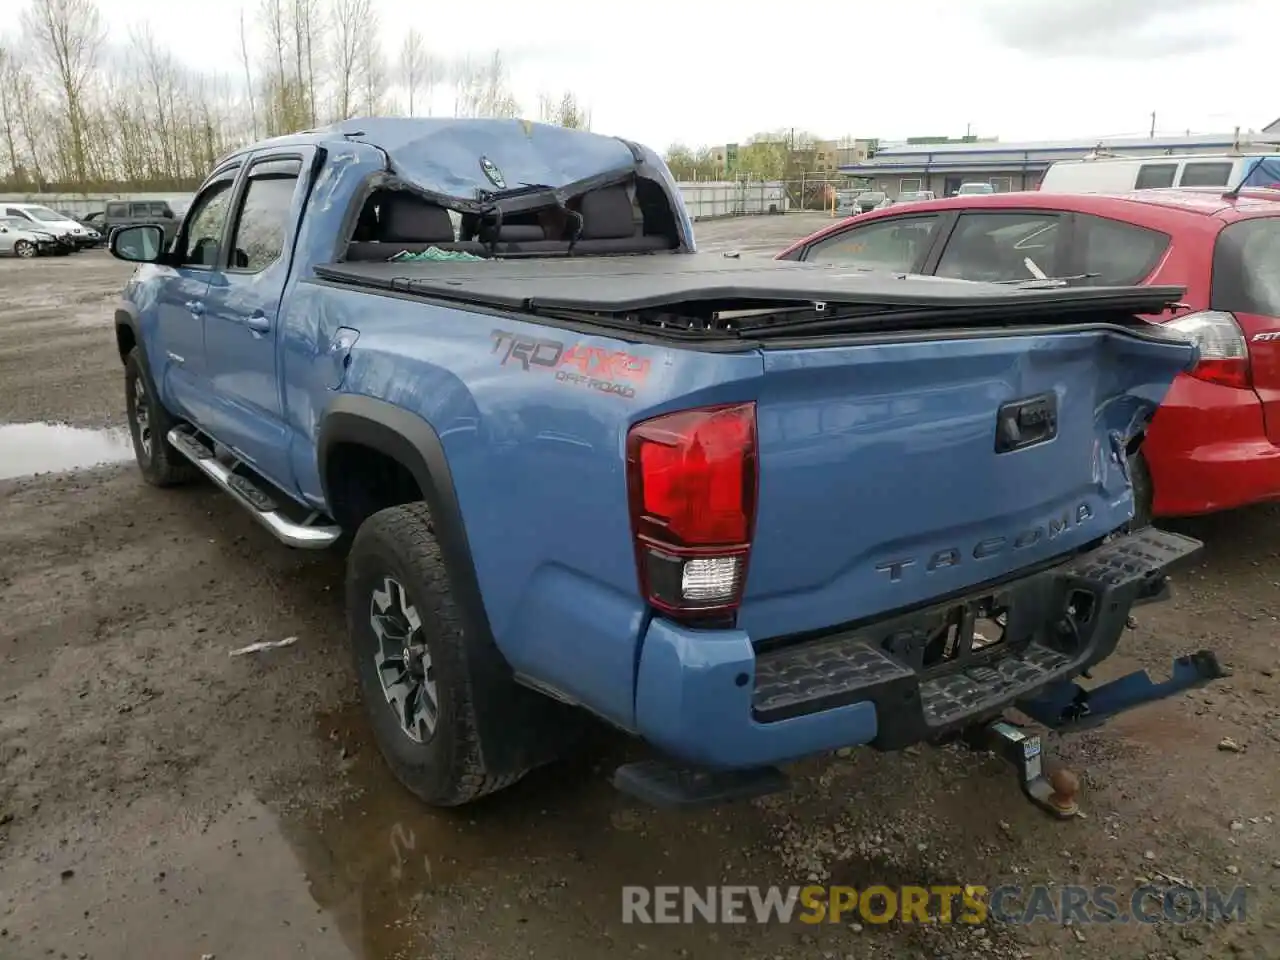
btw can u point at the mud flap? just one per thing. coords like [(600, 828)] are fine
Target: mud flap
[(1066, 706)]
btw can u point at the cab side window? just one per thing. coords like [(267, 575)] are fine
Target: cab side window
[(117, 211), (201, 244), (262, 225)]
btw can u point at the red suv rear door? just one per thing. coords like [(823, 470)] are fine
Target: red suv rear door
[(1246, 283)]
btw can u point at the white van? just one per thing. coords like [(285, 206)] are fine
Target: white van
[(50, 221), (1123, 174)]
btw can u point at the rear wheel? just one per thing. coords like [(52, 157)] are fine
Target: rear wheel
[(149, 424), (408, 640), (25, 249)]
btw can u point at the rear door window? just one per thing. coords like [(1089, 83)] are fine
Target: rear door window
[(898, 245), (140, 210), (1246, 268), (1113, 253), (1153, 176), (1206, 174), (1003, 247)]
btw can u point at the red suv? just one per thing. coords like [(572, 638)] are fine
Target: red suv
[(1215, 441)]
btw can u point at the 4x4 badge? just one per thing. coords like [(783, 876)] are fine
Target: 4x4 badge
[(493, 173)]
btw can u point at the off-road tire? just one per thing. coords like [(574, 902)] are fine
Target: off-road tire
[(25, 249), (161, 465), (447, 769), (1143, 492)]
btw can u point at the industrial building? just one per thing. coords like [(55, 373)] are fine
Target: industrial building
[(943, 167)]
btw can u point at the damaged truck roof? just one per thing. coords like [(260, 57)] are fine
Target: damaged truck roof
[(466, 158)]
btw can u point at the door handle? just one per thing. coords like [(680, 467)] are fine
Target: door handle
[(257, 322), (195, 308)]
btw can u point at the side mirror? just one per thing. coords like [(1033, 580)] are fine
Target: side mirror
[(141, 244)]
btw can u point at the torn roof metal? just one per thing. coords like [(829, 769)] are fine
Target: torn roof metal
[(468, 158)]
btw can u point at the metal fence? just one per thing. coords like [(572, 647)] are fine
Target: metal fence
[(705, 200)]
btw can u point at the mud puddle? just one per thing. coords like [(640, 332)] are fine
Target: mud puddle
[(356, 868), (31, 448)]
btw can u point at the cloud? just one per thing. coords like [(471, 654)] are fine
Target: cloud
[(1110, 29)]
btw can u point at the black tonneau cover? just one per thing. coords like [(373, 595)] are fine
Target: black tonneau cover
[(628, 283)]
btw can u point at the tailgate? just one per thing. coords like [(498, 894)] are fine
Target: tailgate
[(893, 474)]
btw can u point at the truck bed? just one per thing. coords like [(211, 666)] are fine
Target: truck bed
[(621, 284)]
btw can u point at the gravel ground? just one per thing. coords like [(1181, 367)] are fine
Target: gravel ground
[(159, 798)]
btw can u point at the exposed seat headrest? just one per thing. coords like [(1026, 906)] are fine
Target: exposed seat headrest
[(607, 214), (407, 218)]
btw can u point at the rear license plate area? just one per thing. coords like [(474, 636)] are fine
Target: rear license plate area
[(964, 633)]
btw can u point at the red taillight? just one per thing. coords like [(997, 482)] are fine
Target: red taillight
[(1224, 354), (691, 478)]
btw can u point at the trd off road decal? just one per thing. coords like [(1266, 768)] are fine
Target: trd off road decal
[(595, 368)]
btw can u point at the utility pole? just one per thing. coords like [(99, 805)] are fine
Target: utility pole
[(1153, 124)]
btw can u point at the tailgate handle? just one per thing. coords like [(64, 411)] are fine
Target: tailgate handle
[(1024, 423)]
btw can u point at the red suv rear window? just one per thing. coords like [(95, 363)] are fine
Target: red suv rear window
[(1246, 268), (1115, 253)]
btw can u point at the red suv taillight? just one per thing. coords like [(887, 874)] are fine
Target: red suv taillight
[(1224, 354), (692, 481)]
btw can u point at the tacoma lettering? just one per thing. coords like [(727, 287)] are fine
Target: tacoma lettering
[(1050, 530)]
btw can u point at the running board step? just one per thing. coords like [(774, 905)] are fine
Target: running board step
[(307, 535)]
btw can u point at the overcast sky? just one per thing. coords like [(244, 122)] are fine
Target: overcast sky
[(662, 71)]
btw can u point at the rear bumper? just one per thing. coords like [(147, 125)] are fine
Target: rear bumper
[(1207, 449), (708, 697)]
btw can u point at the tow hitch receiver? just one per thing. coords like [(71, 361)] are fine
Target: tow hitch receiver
[(1055, 793), (1067, 706)]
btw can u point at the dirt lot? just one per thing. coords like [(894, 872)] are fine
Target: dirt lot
[(159, 798)]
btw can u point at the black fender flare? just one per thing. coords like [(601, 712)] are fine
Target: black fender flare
[(126, 316), (516, 726)]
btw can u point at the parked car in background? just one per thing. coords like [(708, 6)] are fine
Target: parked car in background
[(19, 238), (136, 213), (976, 189), (1122, 174), (50, 221), (91, 221), (911, 196), (1215, 443)]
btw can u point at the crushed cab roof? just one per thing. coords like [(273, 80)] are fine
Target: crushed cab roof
[(460, 157)]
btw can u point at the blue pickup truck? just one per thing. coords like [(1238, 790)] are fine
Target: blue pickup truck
[(747, 511)]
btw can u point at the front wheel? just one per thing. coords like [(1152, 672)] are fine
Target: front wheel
[(408, 640), (149, 424), (25, 249)]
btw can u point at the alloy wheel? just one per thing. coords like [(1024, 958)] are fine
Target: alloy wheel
[(141, 416), (403, 661)]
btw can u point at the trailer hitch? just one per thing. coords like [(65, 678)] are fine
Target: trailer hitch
[(1066, 706), (1055, 792)]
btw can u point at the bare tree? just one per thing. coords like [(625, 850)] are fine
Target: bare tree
[(496, 98), (482, 90), (413, 62), (307, 16), (351, 21), (68, 35), (373, 68), (564, 111), (158, 77), (248, 74), (9, 71)]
